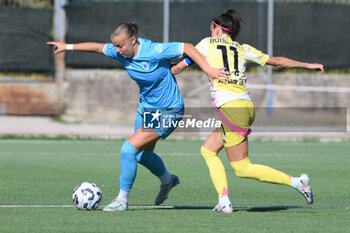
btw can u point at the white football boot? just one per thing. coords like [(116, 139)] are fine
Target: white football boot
[(303, 187), (116, 205), (223, 208)]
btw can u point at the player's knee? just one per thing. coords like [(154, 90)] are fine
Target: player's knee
[(128, 151), (144, 156), (124, 149), (241, 167), (206, 153)]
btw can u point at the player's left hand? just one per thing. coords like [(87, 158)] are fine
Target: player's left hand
[(59, 46), (217, 73)]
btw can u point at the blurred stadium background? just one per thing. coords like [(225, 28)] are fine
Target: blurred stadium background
[(81, 88)]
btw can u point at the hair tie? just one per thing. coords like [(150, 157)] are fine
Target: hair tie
[(226, 29)]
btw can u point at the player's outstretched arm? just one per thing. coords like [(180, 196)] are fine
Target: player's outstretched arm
[(283, 62), (212, 73), (87, 46)]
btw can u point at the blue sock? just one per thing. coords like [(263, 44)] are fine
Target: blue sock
[(152, 161), (128, 165)]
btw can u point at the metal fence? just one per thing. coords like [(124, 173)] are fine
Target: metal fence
[(24, 31), (310, 35), (201, 1), (319, 31)]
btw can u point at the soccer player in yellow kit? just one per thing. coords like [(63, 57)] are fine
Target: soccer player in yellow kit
[(235, 109)]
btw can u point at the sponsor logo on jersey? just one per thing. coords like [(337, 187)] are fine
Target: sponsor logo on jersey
[(159, 48)]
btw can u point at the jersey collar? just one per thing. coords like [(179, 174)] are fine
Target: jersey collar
[(139, 48)]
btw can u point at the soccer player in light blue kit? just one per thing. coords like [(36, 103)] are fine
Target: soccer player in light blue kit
[(148, 63)]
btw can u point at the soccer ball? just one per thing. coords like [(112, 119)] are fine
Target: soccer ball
[(87, 196)]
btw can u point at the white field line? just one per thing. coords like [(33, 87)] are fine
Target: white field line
[(336, 144), (71, 206), (36, 206), (187, 207), (61, 142), (88, 142), (50, 153)]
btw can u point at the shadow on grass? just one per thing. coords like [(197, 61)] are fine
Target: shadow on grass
[(269, 208), (235, 208)]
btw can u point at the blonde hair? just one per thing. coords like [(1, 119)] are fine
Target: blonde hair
[(130, 29)]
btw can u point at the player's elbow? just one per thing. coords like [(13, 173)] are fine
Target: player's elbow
[(278, 62), (282, 63), (188, 47)]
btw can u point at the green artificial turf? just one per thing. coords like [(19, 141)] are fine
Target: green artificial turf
[(45, 172)]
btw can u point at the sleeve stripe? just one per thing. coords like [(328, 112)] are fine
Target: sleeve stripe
[(105, 47), (266, 58), (181, 49)]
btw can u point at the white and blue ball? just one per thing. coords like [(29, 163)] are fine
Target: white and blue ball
[(87, 196)]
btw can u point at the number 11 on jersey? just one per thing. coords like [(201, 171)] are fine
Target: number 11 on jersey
[(225, 59)]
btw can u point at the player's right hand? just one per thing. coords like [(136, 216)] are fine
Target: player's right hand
[(217, 73), (315, 66), (59, 46)]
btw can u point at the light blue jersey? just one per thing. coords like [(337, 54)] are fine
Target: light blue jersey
[(150, 68)]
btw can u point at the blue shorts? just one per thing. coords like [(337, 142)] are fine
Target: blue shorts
[(162, 120)]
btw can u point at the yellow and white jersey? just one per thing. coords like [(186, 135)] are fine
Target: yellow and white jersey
[(224, 52)]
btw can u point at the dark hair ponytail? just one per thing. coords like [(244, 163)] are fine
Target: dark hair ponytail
[(230, 20), (130, 29)]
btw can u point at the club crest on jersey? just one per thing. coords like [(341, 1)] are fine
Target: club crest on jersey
[(145, 66), (159, 48)]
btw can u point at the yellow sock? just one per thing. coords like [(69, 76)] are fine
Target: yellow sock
[(217, 171), (245, 169)]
